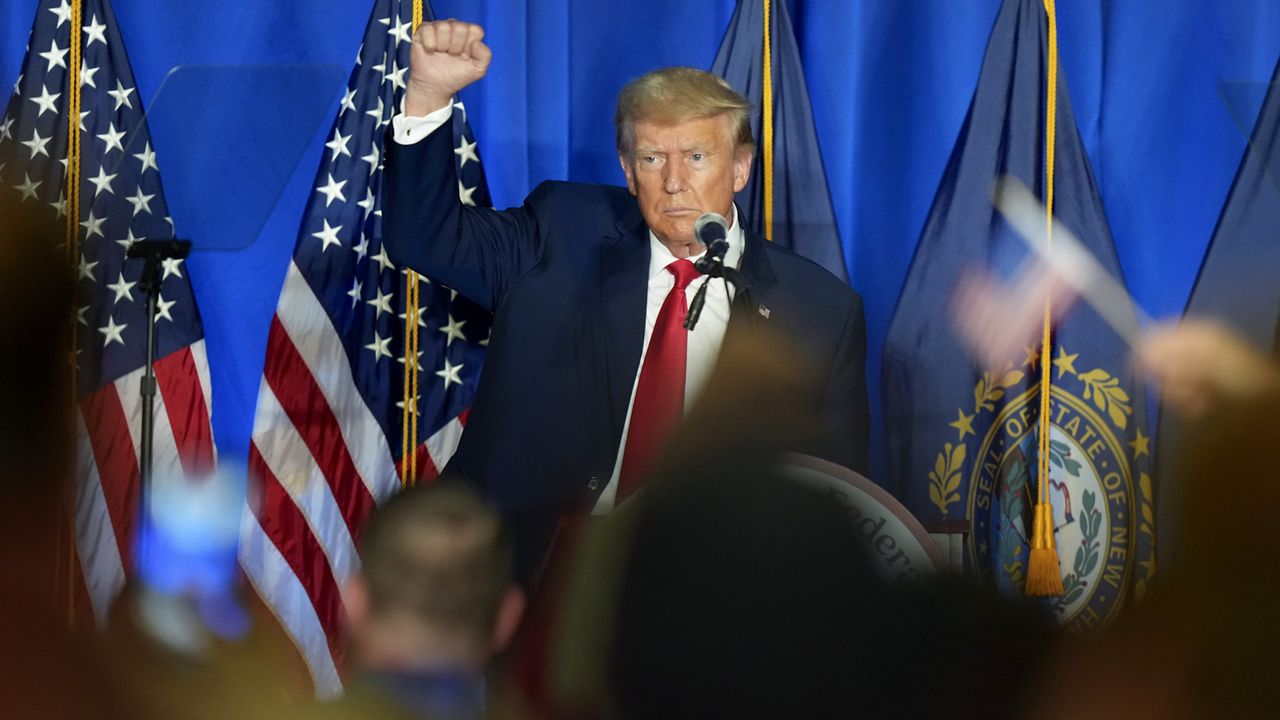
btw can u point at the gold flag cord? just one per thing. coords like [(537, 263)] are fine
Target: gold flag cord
[(412, 361), (73, 136), (409, 412), (766, 121), (1044, 577), (71, 197)]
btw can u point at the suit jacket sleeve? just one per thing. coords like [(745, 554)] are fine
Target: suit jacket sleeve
[(846, 407), (480, 252)]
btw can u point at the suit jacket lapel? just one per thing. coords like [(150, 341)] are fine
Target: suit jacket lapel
[(758, 271), (624, 283)]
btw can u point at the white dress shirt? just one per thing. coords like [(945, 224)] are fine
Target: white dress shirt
[(408, 130), (704, 340)]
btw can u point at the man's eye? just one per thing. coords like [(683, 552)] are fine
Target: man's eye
[(699, 157), (649, 159)]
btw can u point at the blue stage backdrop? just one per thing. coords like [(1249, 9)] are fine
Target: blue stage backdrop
[(1156, 93)]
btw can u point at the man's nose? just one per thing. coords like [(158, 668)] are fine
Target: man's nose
[(673, 178)]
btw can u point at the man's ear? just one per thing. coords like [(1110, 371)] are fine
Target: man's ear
[(510, 612), (627, 172), (742, 158)]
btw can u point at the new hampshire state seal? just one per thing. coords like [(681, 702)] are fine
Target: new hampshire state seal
[(1099, 485)]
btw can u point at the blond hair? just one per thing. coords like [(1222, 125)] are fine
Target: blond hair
[(673, 95)]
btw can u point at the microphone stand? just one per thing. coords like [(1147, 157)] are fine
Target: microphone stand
[(152, 253), (712, 265)]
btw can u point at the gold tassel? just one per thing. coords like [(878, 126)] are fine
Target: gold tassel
[(1044, 579)]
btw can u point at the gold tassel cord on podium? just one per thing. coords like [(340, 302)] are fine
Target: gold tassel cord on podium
[(409, 412), (1044, 576), (766, 122)]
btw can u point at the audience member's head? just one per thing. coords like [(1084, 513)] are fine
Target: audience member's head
[(435, 590), (1227, 578), (1203, 645), (1227, 493), (761, 398), (37, 289), (739, 593), (48, 671)]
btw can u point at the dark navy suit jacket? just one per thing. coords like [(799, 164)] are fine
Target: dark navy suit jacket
[(566, 276)]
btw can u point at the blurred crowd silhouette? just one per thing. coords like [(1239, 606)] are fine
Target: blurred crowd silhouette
[(725, 589)]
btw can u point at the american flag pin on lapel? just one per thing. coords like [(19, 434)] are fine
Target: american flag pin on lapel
[(764, 312)]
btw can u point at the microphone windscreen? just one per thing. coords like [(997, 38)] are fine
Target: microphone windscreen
[(710, 227)]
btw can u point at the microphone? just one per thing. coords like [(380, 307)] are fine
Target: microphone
[(712, 230)]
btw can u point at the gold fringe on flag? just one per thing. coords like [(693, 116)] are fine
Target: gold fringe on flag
[(1044, 576)]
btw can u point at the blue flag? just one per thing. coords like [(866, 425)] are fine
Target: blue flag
[(803, 219), (1239, 280), (963, 440)]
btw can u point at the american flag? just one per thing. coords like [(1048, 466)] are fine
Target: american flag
[(121, 201), (327, 434)]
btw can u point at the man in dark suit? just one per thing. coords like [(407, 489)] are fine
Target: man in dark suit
[(589, 366)]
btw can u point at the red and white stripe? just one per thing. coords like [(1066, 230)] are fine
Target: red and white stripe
[(107, 488), (323, 464)]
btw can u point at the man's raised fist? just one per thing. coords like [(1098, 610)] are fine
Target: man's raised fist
[(447, 55)]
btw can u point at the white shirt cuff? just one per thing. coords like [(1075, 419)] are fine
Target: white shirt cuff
[(408, 130)]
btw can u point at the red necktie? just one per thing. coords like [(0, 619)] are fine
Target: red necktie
[(659, 400)]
